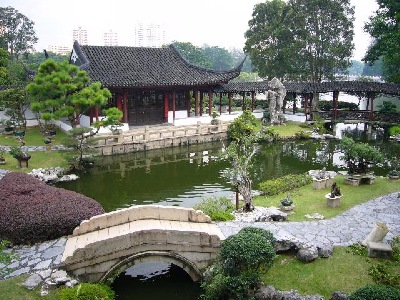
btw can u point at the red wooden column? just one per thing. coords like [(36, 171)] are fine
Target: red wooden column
[(220, 103), (118, 102), (244, 102), (335, 104), (230, 102), (91, 115), (294, 103), (166, 107), (188, 103), (371, 110), (210, 97), (305, 104), (125, 107), (196, 102), (201, 102), (252, 100), (96, 112), (173, 104)]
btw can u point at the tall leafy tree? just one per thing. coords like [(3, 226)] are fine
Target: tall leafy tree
[(193, 54), (303, 39), (220, 57), (238, 56), (269, 41), (4, 76), (384, 27), (17, 33), (323, 33)]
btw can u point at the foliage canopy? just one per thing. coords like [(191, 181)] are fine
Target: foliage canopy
[(297, 40), (384, 28)]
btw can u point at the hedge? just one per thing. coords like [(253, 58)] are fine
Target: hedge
[(32, 211), (284, 184)]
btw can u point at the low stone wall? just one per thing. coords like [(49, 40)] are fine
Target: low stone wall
[(157, 137), (135, 146)]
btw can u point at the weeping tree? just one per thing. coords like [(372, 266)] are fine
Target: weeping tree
[(240, 153)]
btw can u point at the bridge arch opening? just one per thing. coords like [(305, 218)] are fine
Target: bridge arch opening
[(152, 256)]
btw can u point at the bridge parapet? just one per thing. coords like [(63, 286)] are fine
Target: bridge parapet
[(141, 212), (100, 248)]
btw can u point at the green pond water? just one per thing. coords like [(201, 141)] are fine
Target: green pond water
[(183, 177)]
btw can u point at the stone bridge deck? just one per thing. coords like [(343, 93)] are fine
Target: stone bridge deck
[(106, 245)]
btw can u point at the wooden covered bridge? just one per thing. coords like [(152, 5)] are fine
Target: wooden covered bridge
[(365, 89)]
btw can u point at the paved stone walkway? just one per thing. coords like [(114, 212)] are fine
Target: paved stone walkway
[(350, 227)]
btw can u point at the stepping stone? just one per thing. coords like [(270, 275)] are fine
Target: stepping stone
[(381, 250)]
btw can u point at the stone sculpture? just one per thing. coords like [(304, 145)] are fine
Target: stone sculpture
[(275, 98)]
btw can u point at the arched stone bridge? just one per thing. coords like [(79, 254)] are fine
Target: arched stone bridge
[(108, 244)]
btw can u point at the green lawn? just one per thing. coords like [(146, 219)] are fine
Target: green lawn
[(288, 129), (33, 137), (12, 289), (341, 272), (40, 159), (309, 201)]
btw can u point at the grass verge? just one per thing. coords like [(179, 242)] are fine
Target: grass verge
[(33, 137), (341, 272), (12, 289), (309, 201)]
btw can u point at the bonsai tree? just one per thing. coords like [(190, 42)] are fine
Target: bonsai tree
[(359, 157), (240, 153), (62, 90), (83, 139), (2, 158), (15, 101)]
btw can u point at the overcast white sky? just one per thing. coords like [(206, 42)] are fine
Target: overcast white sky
[(214, 22)]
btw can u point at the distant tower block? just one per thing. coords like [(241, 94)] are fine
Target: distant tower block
[(80, 35), (110, 38)]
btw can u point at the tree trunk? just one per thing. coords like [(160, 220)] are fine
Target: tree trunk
[(244, 188)]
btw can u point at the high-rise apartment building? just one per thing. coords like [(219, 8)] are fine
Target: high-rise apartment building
[(63, 50), (110, 38), (149, 35), (80, 35)]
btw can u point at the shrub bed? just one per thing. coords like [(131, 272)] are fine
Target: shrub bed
[(284, 184), (87, 291), (217, 208), (376, 292), (32, 211)]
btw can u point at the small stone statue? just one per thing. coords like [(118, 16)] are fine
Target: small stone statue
[(322, 174), (335, 190)]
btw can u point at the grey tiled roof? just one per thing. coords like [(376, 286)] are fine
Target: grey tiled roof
[(117, 66), (305, 87)]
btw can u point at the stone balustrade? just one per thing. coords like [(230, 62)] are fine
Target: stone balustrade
[(141, 212)]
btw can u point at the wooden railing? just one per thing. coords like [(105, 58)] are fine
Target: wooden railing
[(355, 115)]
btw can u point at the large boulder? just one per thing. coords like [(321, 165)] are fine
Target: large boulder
[(32, 211)]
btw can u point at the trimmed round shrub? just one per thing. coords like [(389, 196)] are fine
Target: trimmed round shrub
[(376, 292), (246, 250), (261, 232), (32, 211), (87, 291)]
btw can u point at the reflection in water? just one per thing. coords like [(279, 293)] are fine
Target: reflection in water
[(183, 176), (155, 281)]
